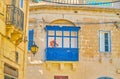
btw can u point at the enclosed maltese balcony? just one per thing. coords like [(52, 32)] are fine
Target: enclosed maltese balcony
[(62, 43)]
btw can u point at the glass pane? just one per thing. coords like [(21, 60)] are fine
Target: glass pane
[(73, 42), (58, 42), (66, 33), (73, 33), (51, 33), (58, 33), (21, 3), (50, 39), (66, 42), (106, 48), (106, 35)]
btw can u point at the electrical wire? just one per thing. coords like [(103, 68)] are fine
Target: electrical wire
[(97, 3), (88, 23)]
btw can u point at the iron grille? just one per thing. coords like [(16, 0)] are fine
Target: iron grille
[(14, 16)]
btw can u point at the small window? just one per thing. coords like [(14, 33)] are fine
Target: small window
[(59, 42), (51, 33), (58, 33), (73, 33), (66, 33), (105, 44), (51, 42), (17, 57), (66, 42), (21, 3), (73, 43)]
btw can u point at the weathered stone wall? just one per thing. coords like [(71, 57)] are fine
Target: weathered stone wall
[(92, 63)]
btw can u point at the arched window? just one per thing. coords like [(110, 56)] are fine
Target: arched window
[(105, 78)]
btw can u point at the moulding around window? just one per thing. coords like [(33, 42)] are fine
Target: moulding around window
[(106, 54)]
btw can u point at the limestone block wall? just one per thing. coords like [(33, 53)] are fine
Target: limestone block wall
[(92, 63), (8, 48)]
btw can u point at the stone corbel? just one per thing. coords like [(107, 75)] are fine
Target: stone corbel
[(74, 66), (61, 66), (15, 36), (9, 31), (48, 66), (111, 61), (18, 41)]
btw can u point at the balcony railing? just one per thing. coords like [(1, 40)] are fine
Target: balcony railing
[(14, 16), (92, 3)]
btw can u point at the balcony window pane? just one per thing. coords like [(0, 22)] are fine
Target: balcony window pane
[(73, 33), (59, 42), (66, 42), (66, 33), (58, 33), (51, 33), (73, 42), (50, 39)]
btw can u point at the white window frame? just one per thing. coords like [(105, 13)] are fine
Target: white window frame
[(102, 41)]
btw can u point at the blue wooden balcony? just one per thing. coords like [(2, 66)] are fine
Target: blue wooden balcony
[(62, 43), (62, 54)]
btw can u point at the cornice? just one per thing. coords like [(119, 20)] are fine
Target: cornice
[(62, 7)]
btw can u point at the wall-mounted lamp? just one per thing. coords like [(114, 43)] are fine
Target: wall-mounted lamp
[(34, 48)]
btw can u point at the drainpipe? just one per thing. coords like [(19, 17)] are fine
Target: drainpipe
[(26, 11)]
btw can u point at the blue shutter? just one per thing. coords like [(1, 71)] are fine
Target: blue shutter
[(30, 38)]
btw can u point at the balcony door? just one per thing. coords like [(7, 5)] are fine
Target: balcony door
[(60, 77)]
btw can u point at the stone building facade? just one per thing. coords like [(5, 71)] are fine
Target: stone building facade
[(13, 32), (87, 37)]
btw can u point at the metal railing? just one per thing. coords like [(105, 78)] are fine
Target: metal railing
[(95, 3), (79, 2), (14, 16)]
